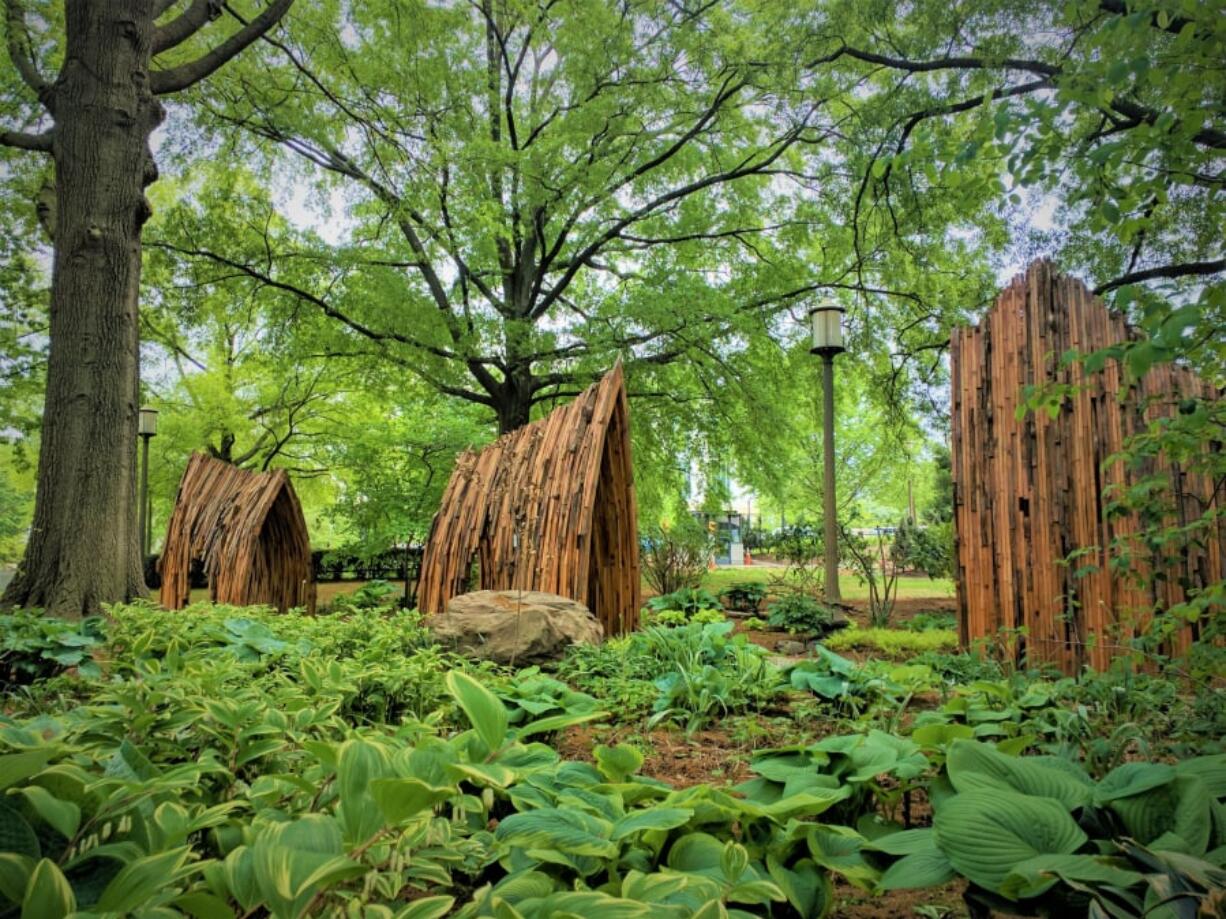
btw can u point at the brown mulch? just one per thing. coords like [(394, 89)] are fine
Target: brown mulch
[(670, 756)]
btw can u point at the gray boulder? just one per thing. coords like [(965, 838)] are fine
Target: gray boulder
[(514, 627)]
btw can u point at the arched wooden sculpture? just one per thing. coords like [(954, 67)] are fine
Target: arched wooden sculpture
[(1028, 492), (548, 507), (248, 530)]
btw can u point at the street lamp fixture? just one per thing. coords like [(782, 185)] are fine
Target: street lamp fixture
[(826, 326), (147, 428)]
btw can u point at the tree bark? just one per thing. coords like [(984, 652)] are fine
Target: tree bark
[(84, 547)]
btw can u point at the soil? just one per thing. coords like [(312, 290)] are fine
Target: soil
[(853, 903), (709, 756)]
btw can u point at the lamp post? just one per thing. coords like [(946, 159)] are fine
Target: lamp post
[(826, 322), (147, 428)]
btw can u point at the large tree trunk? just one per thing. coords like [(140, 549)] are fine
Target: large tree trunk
[(513, 399), (84, 547)]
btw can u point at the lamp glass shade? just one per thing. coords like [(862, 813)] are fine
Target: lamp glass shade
[(826, 324), (147, 423)]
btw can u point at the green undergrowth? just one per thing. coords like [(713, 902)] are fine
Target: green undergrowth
[(222, 762), (892, 642)]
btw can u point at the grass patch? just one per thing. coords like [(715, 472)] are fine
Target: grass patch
[(909, 586), (893, 642)]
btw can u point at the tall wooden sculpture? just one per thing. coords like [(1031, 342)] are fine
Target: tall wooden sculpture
[(548, 507), (249, 531), (1029, 492)]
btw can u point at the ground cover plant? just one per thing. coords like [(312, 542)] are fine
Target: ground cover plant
[(229, 762)]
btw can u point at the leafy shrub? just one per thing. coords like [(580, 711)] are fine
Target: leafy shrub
[(926, 549), (676, 557), (745, 596), (374, 594), (927, 621), (35, 647), (688, 599), (960, 667), (798, 613), (892, 642)]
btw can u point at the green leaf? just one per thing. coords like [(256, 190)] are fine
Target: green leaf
[(904, 842), (1035, 876), (974, 765), (48, 893), (402, 798), (485, 711), (360, 762), (63, 816), (427, 908), (1181, 807), (920, 869), (568, 832), (985, 833), (1132, 779), (140, 880), (16, 834), (617, 763), (14, 875), (17, 766), (805, 885), (651, 818), (557, 723)]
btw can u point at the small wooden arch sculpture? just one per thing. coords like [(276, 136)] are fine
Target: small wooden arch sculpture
[(548, 507), (249, 531)]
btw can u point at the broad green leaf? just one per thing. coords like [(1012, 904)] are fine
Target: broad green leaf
[(1182, 807), (1131, 779), (485, 711), (14, 875), (565, 831), (63, 816), (138, 881), (48, 893), (17, 766), (360, 762), (1036, 875), (402, 798), (427, 908), (986, 833), (16, 834), (919, 869), (973, 765), (617, 763), (650, 818)]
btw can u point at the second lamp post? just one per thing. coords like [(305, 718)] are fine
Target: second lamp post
[(826, 322)]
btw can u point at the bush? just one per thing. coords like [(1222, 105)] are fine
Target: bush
[(676, 557), (926, 549), (745, 596), (924, 622), (689, 600), (799, 613), (35, 647)]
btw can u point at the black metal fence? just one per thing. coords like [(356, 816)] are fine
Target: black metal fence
[(396, 564)]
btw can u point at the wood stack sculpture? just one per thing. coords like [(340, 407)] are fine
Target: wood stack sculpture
[(1029, 492), (548, 507), (247, 528)]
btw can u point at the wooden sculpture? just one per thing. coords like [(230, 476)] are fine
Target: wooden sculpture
[(247, 528), (548, 507), (1029, 492)]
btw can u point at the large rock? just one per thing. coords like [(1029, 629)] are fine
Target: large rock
[(514, 627)]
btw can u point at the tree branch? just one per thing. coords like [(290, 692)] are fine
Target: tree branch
[(1181, 270), (183, 27), (21, 52), (40, 143), (183, 76)]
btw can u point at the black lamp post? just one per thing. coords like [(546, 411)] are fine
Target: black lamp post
[(147, 428), (826, 322)]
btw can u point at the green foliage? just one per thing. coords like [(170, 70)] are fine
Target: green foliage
[(925, 549), (34, 647), (675, 558), (892, 642), (745, 596), (799, 614), (688, 600), (927, 621)]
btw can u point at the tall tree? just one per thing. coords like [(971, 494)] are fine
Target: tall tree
[(533, 188), (94, 120)]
